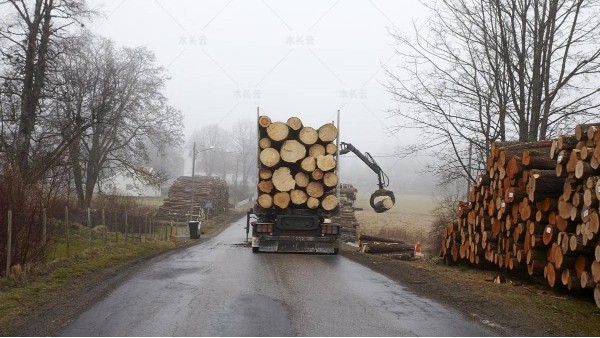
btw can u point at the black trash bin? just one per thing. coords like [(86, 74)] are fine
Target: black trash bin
[(194, 229)]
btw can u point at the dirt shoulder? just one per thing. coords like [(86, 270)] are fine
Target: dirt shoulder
[(46, 305), (517, 308)]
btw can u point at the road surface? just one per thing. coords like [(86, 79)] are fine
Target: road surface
[(220, 288)]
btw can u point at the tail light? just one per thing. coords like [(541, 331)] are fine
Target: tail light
[(329, 229), (264, 227)]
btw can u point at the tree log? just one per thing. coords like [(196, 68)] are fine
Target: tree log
[(264, 121), (317, 174), (327, 132), (265, 201), (314, 189), (264, 143), (301, 179), (265, 173), (308, 164), (292, 151), (281, 200), (294, 123), (316, 149), (298, 197), (269, 157), (329, 203), (331, 149), (278, 131), (312, 203), (265, 186), (326, 162), (308, 136), (283, 179), (377, 247), (330, 179)]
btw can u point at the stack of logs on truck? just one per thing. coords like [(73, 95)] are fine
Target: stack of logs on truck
[(297, 165), (535, 209), (211, 197)]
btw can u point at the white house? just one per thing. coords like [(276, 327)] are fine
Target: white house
[(131, 184)]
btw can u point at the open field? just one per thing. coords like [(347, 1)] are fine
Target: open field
[(409, 220)]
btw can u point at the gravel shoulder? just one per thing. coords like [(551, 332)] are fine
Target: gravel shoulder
[(516, 308)]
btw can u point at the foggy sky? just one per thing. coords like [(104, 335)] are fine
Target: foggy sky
[(290, 58)]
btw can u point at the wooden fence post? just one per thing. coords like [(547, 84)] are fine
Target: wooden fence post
[(126, 227), (89, 217), (68, 231), (44, 226), (9, 243)]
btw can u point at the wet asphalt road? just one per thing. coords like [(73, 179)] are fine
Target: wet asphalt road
[(219, 288)]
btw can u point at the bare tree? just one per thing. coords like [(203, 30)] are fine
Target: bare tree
[(216, 160), (243, 147), (486, 70), (118, 92)]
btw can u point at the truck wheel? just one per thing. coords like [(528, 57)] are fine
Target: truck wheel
[(255, 250), (336, 251)]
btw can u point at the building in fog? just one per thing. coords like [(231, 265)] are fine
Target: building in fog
[(127, 183)]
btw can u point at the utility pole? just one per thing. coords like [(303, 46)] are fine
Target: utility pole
[(470, 171), (193, 171)]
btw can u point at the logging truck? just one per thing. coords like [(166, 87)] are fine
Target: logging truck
[(298, 187)]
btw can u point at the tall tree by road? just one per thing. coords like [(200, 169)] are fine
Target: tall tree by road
[(486, 70)]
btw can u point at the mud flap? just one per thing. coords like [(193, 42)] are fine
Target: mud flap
[(318, 245)]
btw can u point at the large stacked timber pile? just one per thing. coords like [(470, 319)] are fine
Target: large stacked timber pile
[(297, 165), (211, 191), (347, 220), (536, 209)]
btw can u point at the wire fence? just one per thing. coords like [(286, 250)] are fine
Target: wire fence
[(74, 231)]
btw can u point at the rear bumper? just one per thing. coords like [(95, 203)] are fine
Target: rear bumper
[(326, 244)]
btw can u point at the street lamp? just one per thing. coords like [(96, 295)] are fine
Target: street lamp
[(194, 154)]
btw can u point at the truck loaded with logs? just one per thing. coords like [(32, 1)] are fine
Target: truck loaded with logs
[(298, 187)]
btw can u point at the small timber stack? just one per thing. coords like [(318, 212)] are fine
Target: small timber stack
[(535, 209), (347, 219), (210, 196)]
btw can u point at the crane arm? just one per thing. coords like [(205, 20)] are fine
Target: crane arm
[(383, 180)]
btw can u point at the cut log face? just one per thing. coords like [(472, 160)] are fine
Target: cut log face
[(283, 179), (312, 203), (331, 149), (264, 143), (329, 203), (281, 200), (298, 197), (316, 149), (278, 131), (314, 189), (308, 164), (326, 163), (292, 151), (301, 179), (265, 173), (317, 174), (269, 157), (308, 136), (265, 186), (294, 123), (264, 121), (330, 179), (265, 201), (327, 132)]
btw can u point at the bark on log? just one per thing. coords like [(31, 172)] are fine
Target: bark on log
[(264, 121), (278, 131), (283, 179), (269, 157), (385, 203), (377, 247)]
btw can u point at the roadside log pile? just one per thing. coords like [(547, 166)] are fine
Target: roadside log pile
[(535, 209), (347, 220), (210, 195), (384, 245), (297, 165)]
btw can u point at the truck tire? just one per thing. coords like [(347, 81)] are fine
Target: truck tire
[(255, 250), (336, 251)]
